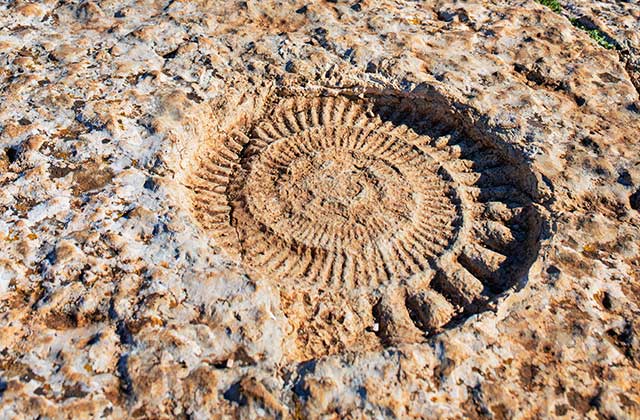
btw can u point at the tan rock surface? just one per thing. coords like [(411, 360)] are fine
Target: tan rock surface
[(474, 168), (619, 23)]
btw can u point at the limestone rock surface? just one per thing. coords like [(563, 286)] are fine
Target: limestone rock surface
[(332, 209)]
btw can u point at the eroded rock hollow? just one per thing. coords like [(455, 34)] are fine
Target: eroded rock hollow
[(386, 200)]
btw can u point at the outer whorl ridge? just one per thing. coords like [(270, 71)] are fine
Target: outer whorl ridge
[(324, 192)]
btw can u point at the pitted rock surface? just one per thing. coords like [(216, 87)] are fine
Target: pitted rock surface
[(162, 206)]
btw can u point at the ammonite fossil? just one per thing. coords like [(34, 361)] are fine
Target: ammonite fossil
[(337, 192)]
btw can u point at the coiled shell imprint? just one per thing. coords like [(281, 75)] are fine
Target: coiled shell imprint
[(324, 193)]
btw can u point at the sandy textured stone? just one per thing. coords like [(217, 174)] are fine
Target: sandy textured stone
[(121, 298)]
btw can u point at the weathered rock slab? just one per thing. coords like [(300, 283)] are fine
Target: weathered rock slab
[(189, 230)]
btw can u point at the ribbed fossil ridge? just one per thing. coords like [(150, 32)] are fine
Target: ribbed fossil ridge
[(325, 192)]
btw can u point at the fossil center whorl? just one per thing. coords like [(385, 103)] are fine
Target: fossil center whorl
[(340, 190)]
